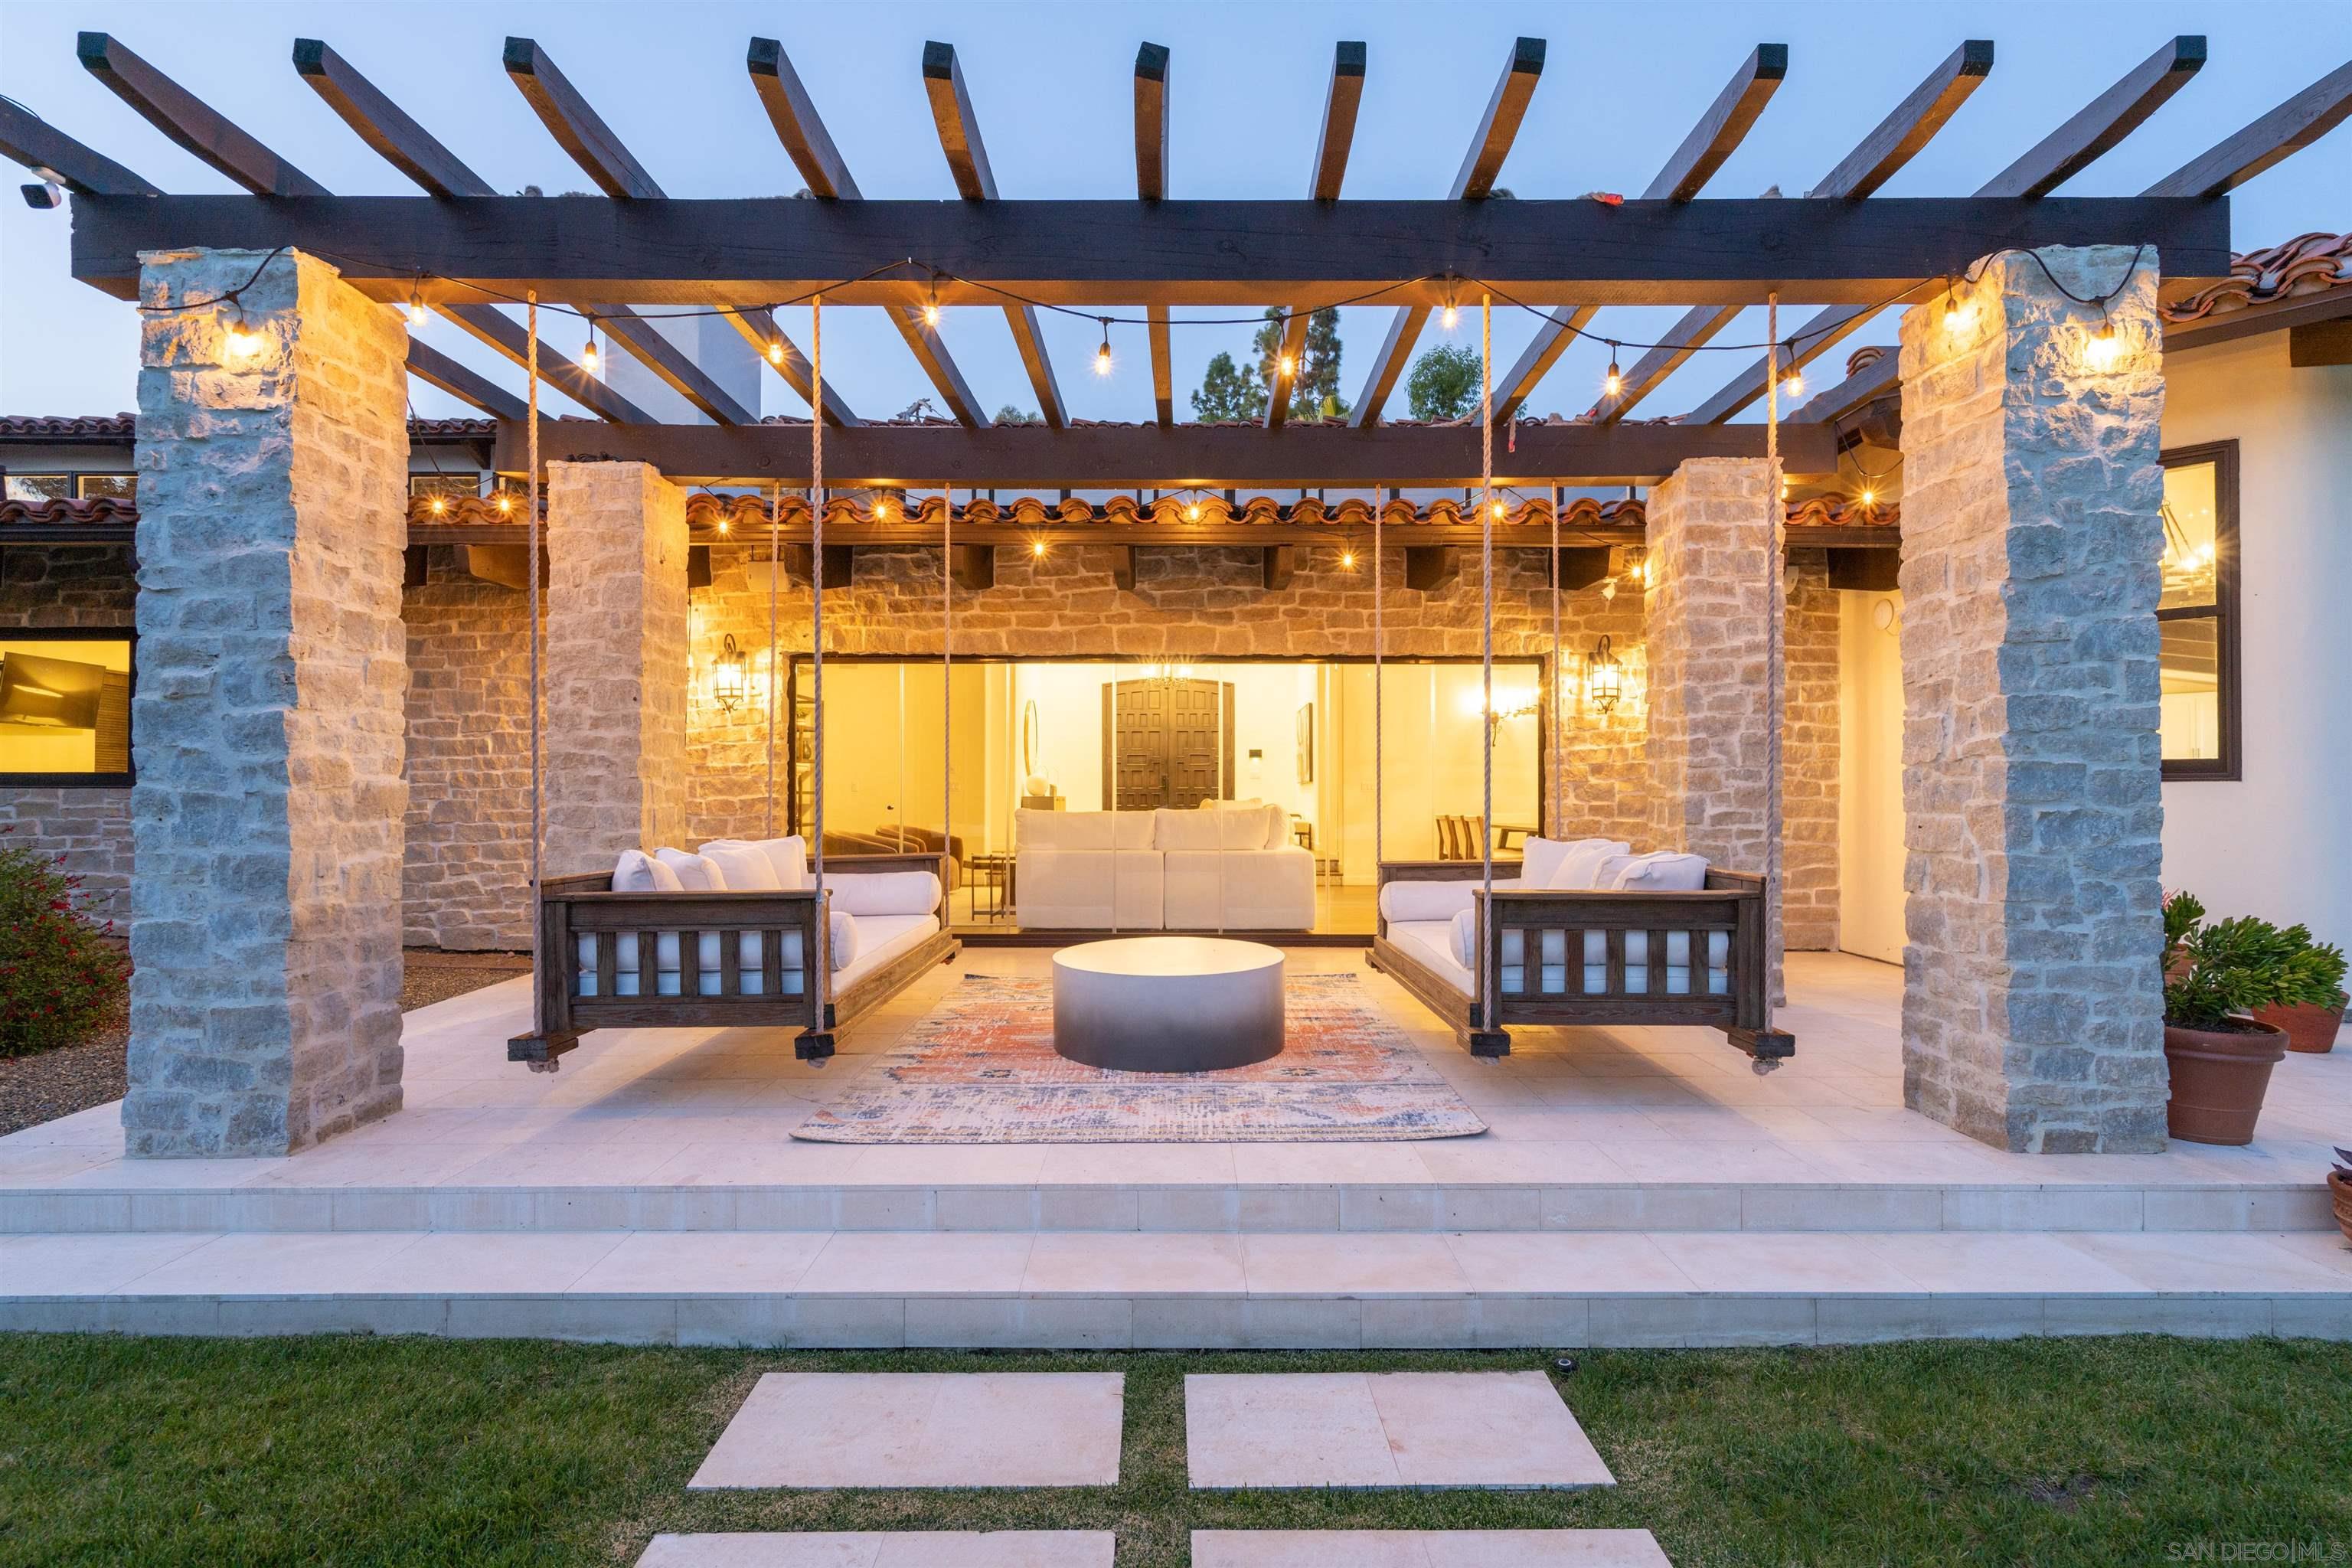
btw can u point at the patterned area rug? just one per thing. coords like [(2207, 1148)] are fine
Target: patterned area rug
[(981, 1069)]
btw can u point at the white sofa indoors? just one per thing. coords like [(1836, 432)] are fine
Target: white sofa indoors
[(877, 915), (1224, 866)]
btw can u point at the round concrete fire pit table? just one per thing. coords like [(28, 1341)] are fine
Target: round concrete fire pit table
[(1167, 1003)]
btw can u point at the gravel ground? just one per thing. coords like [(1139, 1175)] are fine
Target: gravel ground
[(33, 1090)]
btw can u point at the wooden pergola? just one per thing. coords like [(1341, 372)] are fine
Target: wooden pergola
[(468, 252)]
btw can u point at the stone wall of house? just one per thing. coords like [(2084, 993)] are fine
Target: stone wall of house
[(80, 586), (1809, 758)]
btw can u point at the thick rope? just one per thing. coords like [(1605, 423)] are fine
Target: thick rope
[(531, 572), (1487, 940), (775, 554), (947, 677), (1776, 595), (1559, 683), (1379, 636), (816, 656)]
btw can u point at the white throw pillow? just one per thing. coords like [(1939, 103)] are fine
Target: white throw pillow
[(1662, 872), (1405, 902), (1464, 932), (745, 866), (638, 872), (694, 874), (790, 859), (884, 893), (1581, 867), (842, 937)]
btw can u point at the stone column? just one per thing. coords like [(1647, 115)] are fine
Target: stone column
[(268, 727), (1710, 541), (616, 666), (2031, 1008)]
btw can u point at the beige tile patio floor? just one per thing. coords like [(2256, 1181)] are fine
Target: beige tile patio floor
[(1628, 1129)]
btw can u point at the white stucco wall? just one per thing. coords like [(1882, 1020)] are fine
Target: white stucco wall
[(1870, 777), (2279, 842)]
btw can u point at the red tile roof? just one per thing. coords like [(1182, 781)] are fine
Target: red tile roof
[(2308, 263), (68, 513)]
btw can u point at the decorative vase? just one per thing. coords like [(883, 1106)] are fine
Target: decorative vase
[(2218, 1078), (2340, 1191), (2310, 1027)]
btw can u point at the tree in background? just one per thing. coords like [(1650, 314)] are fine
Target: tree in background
[(1225, 393), (1012, 413), (1444, 384)]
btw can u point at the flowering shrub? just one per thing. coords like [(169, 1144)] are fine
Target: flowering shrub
[(59, 974)]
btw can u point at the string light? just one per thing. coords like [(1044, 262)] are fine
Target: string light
[(1614, 381), (1793, 385), (1102, 354), (1869, 496), (1347, 560), (589, 359), (1192, 511), (1036, 547), (241, 340), (882, 510), (776, 352), (1286, 365), (2105, 349), (439, 505), (415, 309), (506, 503), (1450, 317), (931, 310), (1498, 510)]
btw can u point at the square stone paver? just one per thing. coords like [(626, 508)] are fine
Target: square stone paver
[(922, 1429), (1384, 1429), (1426, 1549), (883, 1549)]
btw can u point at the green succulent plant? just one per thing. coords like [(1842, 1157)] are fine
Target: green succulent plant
[(2219, 972)]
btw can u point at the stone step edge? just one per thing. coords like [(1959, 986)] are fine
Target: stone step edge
[(1362, 1207), (1461, 1321)]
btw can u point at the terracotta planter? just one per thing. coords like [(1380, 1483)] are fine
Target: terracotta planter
[(2311, 1026), (2218, 1078), (2340, 1191)]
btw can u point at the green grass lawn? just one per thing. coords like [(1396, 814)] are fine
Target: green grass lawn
[(361, 1451)]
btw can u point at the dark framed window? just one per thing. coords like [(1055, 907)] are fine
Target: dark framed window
[(65, 706), (70, 486), (2199, 672)]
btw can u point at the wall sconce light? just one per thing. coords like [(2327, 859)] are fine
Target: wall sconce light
[(729, 676), (1604, 678)]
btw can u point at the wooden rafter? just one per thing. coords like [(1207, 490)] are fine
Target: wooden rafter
[(810, 146), (430, 365), (384, 125), (577, 128), (780, 353), (967, 156), (2285, 130), (1151, 185), (501, 332), (1163, 387), (1132, 456), (188, 121), (1718, 131), (2035, 172), (57, 157), (1875, 159), (1874, 381), (1489, 144), (1333, 141)]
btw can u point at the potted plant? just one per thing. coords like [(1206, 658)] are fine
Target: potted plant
[(2309, 1026), (2339, 1189), (2215, 976)]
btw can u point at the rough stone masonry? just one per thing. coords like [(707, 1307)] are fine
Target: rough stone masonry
[(2033, 1013), (268, 727)]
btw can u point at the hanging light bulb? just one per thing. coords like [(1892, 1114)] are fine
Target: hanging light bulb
[(240, 340), (589, 359), (1450, 317), (2105, 349), (1792, 384), (1869, 496), (776, 352), (1347, 560), (1102, 354), (931, 310), (438, 506), (506, 503), (882, 510), (1192, 511), (1614, 381), (1286, 365), (1036, 547), (1498, 510), (415, 309)]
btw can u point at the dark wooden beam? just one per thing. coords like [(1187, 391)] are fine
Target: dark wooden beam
[(1122, 568), (1152, 122), (967, 156), (504, 333), (1204, 457), (644, 339), (1337, 137), (2285, 130), (972, 566), (577, 128), (784, 357), (2042, 168), (1429, 567), (57, 157), (1875, 159), (1878, 379), (2320, 343), (384, 125), (1710, 142), (1163, 380), (810, 145), (1583, 565), (798, 127), (1278, 564), (1897, 139), (188, 121), (1489, 144), (430, 365), (1868, 571), (1724, 125), (1120, 253), (2103, 122)]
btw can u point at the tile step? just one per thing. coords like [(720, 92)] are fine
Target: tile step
[(1235, 1208), (1176, 1290)]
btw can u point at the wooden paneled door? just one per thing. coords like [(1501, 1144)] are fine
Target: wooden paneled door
[(1168, 740)]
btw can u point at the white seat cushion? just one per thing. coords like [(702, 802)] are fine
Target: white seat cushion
[(881, 939), (1430, 943), (1240, 889), (1420, 901)]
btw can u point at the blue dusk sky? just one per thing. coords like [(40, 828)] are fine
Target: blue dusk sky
[(1051, 88)]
